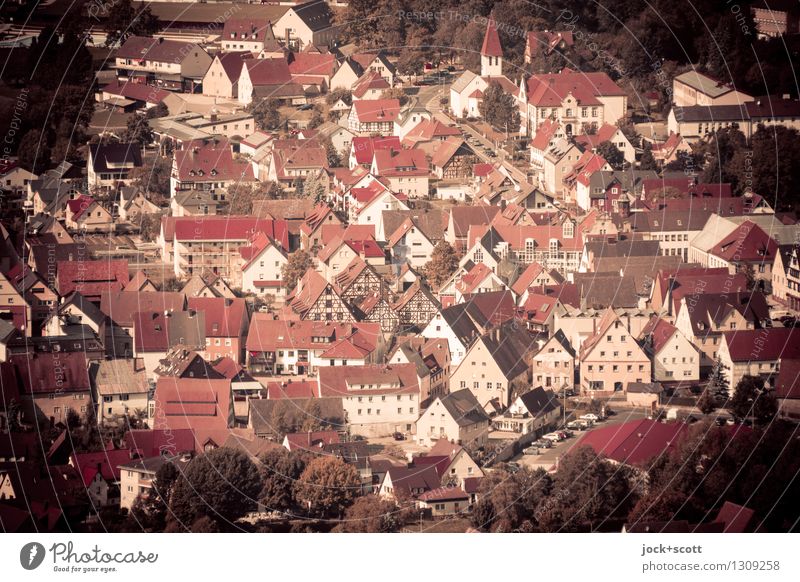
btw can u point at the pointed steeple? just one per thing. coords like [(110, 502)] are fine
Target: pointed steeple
[(491, 51)]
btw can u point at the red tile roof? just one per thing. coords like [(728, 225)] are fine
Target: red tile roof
[(550, 89), (747, 243), (78, 206), (364, 147), (225, 317), (491, 40), (385, 379), (634, 443), (544, 134), (212, 162), (153, 443), (266, 72), (291, 390), (376, 110), (269, 335), (199, 404), (403, 163), (49, 373), (444, 494), (763, 345), (231, 228), (370, 81), (91, 278), (136, 92), (660, 331), (311, 441), (312, 64), (104, 462)]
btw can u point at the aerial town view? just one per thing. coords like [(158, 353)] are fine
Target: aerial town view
[(410, 266)]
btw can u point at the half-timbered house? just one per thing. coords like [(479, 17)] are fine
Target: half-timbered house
[(453, 159), (357, 280), (417, 306), (315, 299), (376, 308)]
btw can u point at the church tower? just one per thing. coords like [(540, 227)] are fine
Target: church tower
[(491, 52)]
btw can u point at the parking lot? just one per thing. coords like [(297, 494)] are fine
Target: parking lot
[(547, 458)]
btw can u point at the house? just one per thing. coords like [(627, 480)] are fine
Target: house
[(213, 244), (786, 276), (608, 133), (453, 159), (207, 284), (15, 179), (544, 43), (416, 306), (748, 247), (535, 410), (432, 359), (703, 317), (85, 214), (610, 358), (156, 332), (262, 272), (208, 166), (52, 384), (674, 358), (410, 243), (277, 347), (534, 276), (293, 161), (174, 65), (349, 71), (553, 366), (479, 279), (101, 474), (409, 483), (227, 321), (311, 229), (203, 405), (456, 417), (247, 34), (313, 298), (644, 395), (309, 23), (695, 88), (494, 362), (131, 96), (757, 352), (120, 386), (311, 441), (268, 79), (376, 62), (578, 100), (118, 308), (138, 476), (557, 161), (378, 400), (92, 278), (456, 326), (222, 78), (358, 280), (405, 171), (111, 165), (445, 501), (462, 218), (370, 86), (373, 116)]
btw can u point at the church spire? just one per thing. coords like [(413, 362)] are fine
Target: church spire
[(491, 51)]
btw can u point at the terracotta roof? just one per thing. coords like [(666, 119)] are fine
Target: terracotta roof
[(474, 277), (544, 133), (105, 462), (233, 62), (658, 331), (230, 228), (269, 335), (136, 92), (444, 494), (370, 81), (429, 130), (213, 162), (547, 41), (198, 404), (465, 216), (266, 72), (224, 317), (342, 381), (787, 385), (78, 206), (312, 64), (153, 49), (376, 110), (414, 480), (737, 518), (311, 441), (550, 89), (636, 442), (292, 389), (48, 373), (152, 443), (91, 278), (120, 306), (446, 149), (491, 40), (364, 147), (748, 242), (249, 29), (763, 345)]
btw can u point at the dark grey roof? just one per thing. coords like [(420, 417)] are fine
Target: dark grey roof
[(316, 14), (539, 401), (89, 309), (509, 346), (116, 153), (461, 323), (711, 113), (430, 222), (645, 387), (464, 408), (623, 248), (599, 291), (561, 338), (629, 180)]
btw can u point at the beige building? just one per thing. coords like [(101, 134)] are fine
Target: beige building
[(457, 417), (137, 477), (553, 366), (674, 357), (310, 23), (757, 352), (610, 358), (695, 88), (786, 276), (120, 387)]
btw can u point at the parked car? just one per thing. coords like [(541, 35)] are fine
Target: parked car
[(398, 436), (543, 443), (565, 434), (531, 450), (513, 467), (574, 425), (305, 107), (590, 416), (585, 424), (552, 436)]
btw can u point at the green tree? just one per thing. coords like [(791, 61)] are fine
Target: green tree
[(611, 154), (511, 501), (371, 514), (266, 114), (593, 493), (138, 131), (718, 382), (299, 262), (443, 263), (33, 152), (222, 484), (315, 186), (751, 398), (334, 96), (707, 403), (395, 93), (123, 20), (499, 109), (242, 195), (150, 509), (153, 178), (317, 118), (160, 110), (647, 161), (280, 470), (327, 486)]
